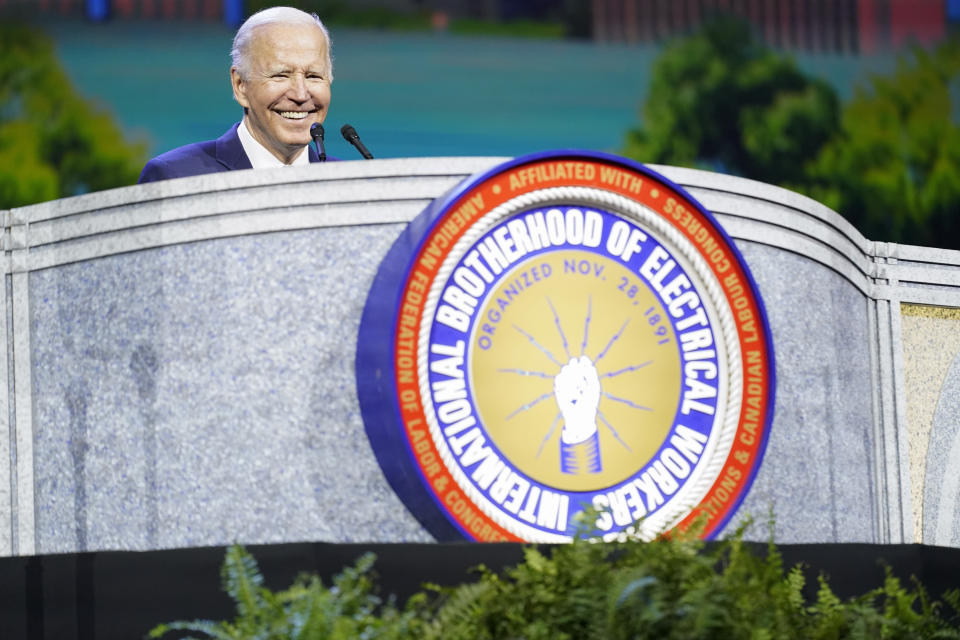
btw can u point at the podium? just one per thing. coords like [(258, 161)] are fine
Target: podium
[(179, 363)]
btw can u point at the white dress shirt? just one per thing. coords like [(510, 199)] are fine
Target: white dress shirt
[(260, 157)]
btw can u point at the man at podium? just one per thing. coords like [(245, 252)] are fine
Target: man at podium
[(281, 73)]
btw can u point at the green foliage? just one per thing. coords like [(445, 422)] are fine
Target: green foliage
[(889, 162), (678, 588), (894, 168), (722, 101), (307, 610), (53, 143)]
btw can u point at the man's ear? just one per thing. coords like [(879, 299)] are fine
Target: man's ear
[(239, 88)]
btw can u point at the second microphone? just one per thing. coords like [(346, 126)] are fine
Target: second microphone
[(351, 136)]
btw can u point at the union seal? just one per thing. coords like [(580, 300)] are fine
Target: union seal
[(566, 331)]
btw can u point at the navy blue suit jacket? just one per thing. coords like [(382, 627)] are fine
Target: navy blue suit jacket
[(212, 156)]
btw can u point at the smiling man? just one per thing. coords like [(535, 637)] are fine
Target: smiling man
[(281, 76)]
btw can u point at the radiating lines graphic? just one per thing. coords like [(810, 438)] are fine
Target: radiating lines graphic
[(629, 403), (534, 342), (548, 375), (546, 438), (530, 405), (614, 374), (521, 372), (556, 321), (586, 326), (616, 435), (615, 337)]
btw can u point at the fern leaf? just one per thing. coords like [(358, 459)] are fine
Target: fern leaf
[(211, 629), (242, 581)]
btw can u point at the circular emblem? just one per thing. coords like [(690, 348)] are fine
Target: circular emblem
[(563, 332)]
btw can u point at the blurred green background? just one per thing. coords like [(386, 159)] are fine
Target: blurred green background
[(873, 136), (408, 93)]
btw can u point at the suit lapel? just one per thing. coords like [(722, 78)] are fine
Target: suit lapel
[(230, 151), (231, 155)]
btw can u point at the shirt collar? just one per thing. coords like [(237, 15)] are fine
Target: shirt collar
[(260, 157)]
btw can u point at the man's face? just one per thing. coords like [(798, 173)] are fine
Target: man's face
[(287, 88)]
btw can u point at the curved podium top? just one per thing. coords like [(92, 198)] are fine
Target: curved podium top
[(180, 362)]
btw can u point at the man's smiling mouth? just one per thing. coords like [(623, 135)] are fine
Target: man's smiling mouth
[(295, 115)]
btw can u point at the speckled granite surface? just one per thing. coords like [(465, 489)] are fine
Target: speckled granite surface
[(941, 521), (188, 379), (931, 348), (204, 393), (816, 476)]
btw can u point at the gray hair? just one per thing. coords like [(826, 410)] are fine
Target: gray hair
[(274, 15)]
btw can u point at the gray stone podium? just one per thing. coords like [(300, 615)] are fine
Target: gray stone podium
[(179, 363)]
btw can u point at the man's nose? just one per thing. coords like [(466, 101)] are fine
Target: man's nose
[(298, 88)]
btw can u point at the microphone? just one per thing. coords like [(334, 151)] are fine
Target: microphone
[(316, 132), (350, 135)]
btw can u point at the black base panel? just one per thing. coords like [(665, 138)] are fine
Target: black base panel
[(124, 594)]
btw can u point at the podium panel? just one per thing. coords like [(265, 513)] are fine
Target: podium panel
[(180, 363)]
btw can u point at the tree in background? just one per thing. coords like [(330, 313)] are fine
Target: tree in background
[(889, 162), (894, 167), (720, 100), (53, 143)]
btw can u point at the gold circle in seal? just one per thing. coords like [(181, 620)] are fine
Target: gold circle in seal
[(561, 305)]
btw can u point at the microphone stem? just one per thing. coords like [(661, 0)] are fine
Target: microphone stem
[(316, 132)]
